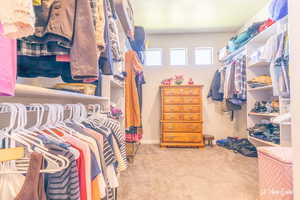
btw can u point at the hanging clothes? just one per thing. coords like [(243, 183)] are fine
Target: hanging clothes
[(214, 91), (240, 79), (276, 52), (140, 81), (106, 58), (59, 31), (33, 188), (132, 107)]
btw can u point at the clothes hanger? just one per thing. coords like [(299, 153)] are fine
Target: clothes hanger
[(27, 142), (49, 157)]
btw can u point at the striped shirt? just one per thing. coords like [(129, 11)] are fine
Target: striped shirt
[(114, 126), (63, 185)]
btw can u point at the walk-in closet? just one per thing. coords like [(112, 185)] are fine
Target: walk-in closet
[(149, 100)]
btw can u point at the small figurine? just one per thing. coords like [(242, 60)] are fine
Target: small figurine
[(179, 80), (191, 82)]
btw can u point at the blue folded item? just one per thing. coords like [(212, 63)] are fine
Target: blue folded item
[(278, 9)]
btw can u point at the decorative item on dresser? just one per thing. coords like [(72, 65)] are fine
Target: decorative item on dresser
[(181, 116)]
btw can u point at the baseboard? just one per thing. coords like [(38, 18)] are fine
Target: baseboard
[(150, 141)]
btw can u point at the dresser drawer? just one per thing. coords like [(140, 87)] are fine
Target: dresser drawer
[(173, 117), (192, 117), (182, 117), (192, 109), (173, 108), (181, 109), (170, 91), (169, 100), (191, 100), (182, 137), (190, 91), (173, 100), (182, 127)]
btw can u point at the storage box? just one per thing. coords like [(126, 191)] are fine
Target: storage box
[(275, 173)]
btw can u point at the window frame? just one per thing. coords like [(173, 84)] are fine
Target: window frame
[(212, 56), (185, 57), (161, 57)]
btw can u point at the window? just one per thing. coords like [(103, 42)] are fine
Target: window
[(153, 57), (178, 56), (204, 56)]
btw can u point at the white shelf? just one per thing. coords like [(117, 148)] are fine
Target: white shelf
[(27, 91), (259, 64), (258, 142), (263, 114), (263, 36), (261, 88), (260, 38)]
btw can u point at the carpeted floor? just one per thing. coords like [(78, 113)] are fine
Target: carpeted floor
[(189, 174)]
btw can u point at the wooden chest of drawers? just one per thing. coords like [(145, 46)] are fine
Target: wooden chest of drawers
[(181, 116)]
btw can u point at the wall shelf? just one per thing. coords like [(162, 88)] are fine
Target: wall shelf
[(27, 91), (261, 88), (259, 64), (260, 38), (260, 142), (263, 114)]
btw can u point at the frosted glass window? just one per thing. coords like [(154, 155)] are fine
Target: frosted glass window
[(153, 57), (204, 56), (178, 56)]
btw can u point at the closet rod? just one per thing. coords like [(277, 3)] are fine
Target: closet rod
[(66, 108), (27, 91), (234, 54)]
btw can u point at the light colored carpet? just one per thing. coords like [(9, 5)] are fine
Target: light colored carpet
[(189, 174)]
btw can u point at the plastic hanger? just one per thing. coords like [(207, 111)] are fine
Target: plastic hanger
[(61, 161)]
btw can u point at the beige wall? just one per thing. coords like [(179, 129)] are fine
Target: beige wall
[(215, 121)]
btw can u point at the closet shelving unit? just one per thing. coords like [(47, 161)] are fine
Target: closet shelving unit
[(263, 93)]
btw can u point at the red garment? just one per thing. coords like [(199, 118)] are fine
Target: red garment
[(266, 25), (81, 171), (55, 131), (80, 162)]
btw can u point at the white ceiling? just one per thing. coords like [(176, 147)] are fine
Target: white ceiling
[(177, 16)]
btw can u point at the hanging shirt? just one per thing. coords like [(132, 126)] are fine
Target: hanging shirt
[(132, 107), (119, 136), (87, 161), (65, 183), (8, 65)]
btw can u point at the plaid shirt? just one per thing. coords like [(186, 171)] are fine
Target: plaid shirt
[(240, 79), (26, 48)]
